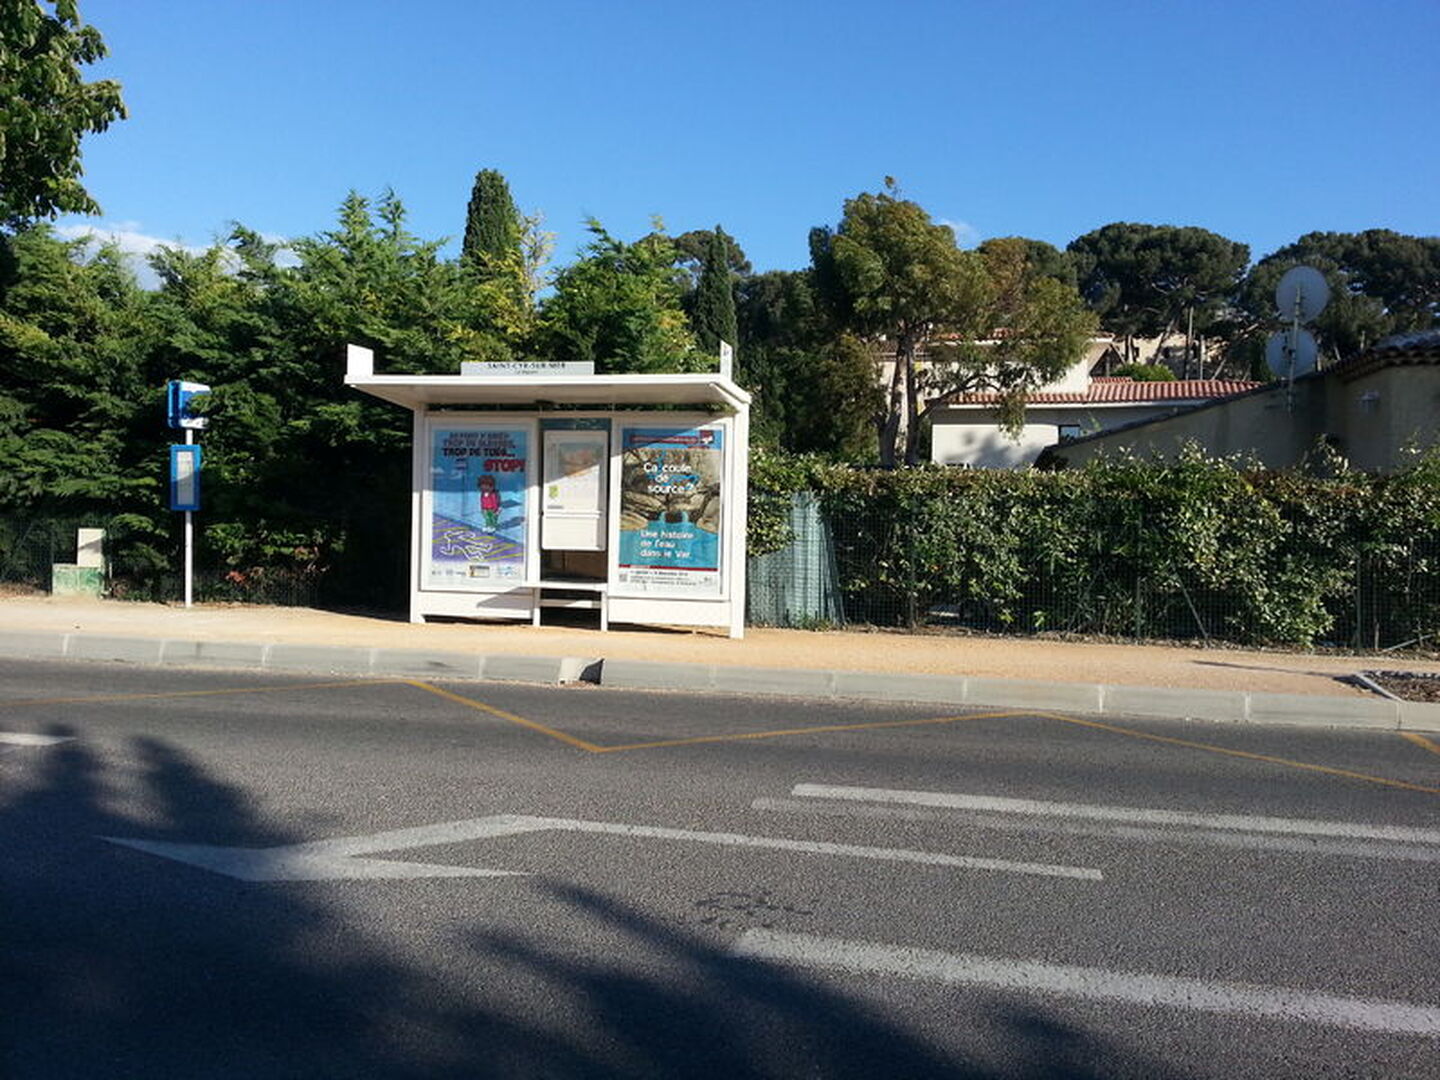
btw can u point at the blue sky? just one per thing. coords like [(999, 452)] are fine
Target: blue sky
[(1259, 120)]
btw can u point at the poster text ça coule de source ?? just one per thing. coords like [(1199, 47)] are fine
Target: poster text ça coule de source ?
[(670, 511)]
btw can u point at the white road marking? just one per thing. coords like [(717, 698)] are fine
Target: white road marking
[(340, 858), (1036, 807), (1304, 845), (23, 738), (287, 864), (813, 847), (1135, 988), (334, 860)]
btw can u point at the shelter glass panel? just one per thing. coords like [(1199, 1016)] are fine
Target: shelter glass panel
[(671, 519), (476, 521)]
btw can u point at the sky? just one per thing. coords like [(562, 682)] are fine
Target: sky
[(1259, 120)]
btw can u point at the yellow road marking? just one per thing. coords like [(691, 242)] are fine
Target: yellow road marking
[(503, 715), (595, 748), (802, 731), (102, 699), (1421, 740), (694, 740), (1347, 773), (582, 744)]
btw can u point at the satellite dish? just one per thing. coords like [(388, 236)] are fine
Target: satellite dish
[(1277, 352), (1302, 291)]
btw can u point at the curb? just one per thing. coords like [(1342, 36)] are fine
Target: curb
[(1092, 699)]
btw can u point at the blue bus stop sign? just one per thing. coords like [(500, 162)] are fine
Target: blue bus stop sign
[(177, 404), (185, 477)]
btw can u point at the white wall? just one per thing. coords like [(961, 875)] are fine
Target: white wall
[(1076, 380), (969, 435), (978, 441)]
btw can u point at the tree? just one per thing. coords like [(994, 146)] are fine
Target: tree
[(1402, 272), (713, 311), (897, 280), (619, 307), (1381, 283), (1045, 260), (371, 281), (504, 254), (691, 248), (304, 476), (832, 399), (890, 274), (76, 408), (45, 108), (1150, 280), (1145, 373), (813, 386), (492, 221), (1039, 327)]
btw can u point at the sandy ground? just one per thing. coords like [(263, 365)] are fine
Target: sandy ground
[(1016, 658)]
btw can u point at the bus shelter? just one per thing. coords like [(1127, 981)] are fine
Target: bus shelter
[(536, 489)]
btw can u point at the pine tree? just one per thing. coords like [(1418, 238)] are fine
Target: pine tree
[(714, 314)]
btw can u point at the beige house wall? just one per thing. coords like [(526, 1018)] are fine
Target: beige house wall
[(1075, 379), (1260, 425), (1372, 420), (1385, 414)]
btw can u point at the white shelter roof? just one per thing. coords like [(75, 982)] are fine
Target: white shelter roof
[(423, 391)]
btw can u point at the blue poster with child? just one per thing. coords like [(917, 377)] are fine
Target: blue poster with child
[(478, 483)]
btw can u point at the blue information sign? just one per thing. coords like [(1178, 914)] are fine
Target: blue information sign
[(185, 477), (177, 404)]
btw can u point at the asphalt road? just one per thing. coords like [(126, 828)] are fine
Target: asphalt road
[(231, 875)]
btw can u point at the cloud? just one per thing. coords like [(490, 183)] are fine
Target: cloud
[(966, 235), (125, 235), (136, 245)]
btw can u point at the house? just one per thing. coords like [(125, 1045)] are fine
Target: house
[(964, 431), (1373, 409)]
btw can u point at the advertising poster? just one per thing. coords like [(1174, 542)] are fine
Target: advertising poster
[(478, 481), (670, 505), (575, 463)]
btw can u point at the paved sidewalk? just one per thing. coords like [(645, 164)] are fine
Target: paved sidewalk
[(1147, 680)]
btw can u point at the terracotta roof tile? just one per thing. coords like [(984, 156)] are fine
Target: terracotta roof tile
[(1125, 391)]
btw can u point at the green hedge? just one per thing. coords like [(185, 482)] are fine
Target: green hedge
[(1190, 548)]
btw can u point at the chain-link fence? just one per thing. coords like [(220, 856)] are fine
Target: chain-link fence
[(1396, 599), (891, 570), (798, 585), (30, 547), (139, 565)]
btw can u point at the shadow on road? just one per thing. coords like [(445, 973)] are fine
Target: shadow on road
[(115, 964)]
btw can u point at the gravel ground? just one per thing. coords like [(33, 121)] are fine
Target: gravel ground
[(1408, 685)]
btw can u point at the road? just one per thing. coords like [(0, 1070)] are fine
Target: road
[(212, 874)]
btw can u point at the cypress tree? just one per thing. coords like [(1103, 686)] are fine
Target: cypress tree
[(715, 297), (492, 222)]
